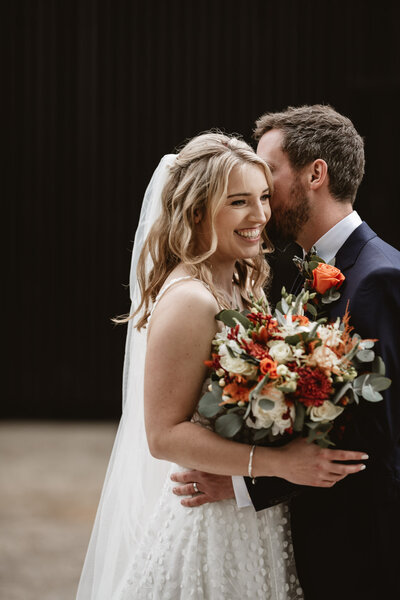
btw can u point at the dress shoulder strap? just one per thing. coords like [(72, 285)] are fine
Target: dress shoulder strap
[(170, 284)]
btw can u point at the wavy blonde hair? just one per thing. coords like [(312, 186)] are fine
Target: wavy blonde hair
[(197, 185)]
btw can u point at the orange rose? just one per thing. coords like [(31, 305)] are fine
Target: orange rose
[(267, 365), (303, 320), (238, 393), (325, 277)]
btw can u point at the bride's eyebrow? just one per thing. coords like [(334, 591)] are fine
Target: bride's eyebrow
[(266, 191)]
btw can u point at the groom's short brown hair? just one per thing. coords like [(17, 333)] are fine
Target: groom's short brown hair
[(318, 131)]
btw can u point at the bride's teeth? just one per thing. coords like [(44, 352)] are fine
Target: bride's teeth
[(251, 233)]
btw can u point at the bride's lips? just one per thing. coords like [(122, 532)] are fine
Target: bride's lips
[(250, 234)]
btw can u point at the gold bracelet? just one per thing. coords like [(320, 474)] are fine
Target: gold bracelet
[(253, 479)]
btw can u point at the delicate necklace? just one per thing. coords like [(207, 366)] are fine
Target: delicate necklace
[(233, 300)]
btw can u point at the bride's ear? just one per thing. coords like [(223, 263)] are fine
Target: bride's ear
[(197, 216)]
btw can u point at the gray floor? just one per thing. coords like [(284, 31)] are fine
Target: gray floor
[(50, 481)]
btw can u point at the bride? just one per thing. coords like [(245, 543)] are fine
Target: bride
[(198, 248)]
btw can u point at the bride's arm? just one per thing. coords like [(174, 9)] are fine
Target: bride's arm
[(179, 340)]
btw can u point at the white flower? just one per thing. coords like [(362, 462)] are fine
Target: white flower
[(292, 327), (274, 416), (282, 370), (235, 365), (280, 351), (330, 334), (324, 358), (326, 412)]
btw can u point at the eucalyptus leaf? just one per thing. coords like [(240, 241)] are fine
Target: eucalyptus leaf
[(228, 318), (208, 405), (365, 355), (370, 394), (379, 382), (228, 425), (360, 381), (260, 434), (368, 344), (378, 366), (216, 389)]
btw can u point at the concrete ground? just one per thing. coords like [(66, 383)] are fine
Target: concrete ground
[(51, 476)]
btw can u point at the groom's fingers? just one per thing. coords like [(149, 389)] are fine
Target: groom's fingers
[(185, 490), (197, 500), (185, 476)]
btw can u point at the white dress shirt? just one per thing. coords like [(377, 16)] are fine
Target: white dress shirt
[(327, 247)]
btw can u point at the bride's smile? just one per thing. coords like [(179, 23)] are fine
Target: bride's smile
[(241, 219)]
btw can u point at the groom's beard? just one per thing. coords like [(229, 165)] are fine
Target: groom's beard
[(286, 221)]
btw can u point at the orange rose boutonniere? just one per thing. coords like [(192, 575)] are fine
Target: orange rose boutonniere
[(326, 277), (322, 280)]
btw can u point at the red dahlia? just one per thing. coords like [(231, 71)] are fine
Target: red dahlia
[(254, 349), (313, 386)]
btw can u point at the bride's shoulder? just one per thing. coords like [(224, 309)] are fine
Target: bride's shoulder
[(185, 297)]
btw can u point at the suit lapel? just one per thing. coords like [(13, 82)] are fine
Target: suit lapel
[(348, 253)]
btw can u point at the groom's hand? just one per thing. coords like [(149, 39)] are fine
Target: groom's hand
[(210, 488)]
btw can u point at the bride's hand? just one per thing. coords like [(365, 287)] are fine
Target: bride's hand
[(308, 464)]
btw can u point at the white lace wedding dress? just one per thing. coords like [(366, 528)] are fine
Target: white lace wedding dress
[(213, 552)]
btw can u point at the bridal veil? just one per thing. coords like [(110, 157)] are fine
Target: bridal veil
[(134, 478)]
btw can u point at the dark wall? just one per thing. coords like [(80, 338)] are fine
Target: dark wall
[(94, 93)]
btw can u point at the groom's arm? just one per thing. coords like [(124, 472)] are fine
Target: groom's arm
[(268, 491), (375, 313)]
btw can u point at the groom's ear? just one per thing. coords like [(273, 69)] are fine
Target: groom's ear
[(317, 174)]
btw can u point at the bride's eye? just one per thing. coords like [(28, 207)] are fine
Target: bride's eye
[(238, 202), (265, 197)]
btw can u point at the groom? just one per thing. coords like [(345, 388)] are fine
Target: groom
[(346, 537)]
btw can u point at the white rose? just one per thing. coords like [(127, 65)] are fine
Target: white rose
[(274, 416), (326, 412), (280, 351), (235, 364)]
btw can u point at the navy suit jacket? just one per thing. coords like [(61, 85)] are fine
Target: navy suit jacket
[(346, 537), (372, 290)]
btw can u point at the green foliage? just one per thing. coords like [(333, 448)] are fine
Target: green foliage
[(228, 425), (232, 317)]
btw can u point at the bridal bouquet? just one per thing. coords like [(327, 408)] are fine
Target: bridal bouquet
[(277, 375)]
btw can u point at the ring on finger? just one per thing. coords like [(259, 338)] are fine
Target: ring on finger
[(196, 489)]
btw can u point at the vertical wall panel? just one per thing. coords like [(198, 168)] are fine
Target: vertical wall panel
[(94, 93)]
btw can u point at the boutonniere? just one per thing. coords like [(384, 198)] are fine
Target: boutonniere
[(321, 279)]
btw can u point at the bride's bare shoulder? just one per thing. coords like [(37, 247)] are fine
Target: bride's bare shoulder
[(185, 300)]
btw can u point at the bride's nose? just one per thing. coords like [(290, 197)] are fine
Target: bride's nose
[(260, 212)]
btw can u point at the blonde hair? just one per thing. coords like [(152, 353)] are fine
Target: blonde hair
[(197, 185)]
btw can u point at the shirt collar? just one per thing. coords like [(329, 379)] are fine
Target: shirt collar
[(328, 245)]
